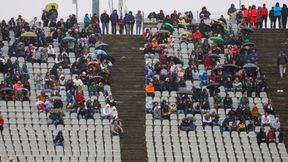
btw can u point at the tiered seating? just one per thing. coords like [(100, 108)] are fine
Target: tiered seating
[(28, 136), (165, 142)]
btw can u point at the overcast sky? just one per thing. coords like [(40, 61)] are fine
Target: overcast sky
[(30, 8)]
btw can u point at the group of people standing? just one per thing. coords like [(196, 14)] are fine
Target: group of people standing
[(257, 17), (121, 24)]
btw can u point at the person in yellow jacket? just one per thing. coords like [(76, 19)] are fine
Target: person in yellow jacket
[(150, 90), (181, 22)]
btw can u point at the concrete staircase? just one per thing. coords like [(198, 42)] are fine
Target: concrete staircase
[(127, 88), (269, 43)]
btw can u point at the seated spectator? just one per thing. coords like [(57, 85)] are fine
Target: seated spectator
[(228, 85), (150, 90), (157, 111), (80, 99), (275, 124), (82, 113), (268, 107), (106, 112), (48, 105), (250, 126), (227, 102), (62, 82), (234, 126), (244, 101), (181, 22), (265, 120), (215, 118), (271, 136), (77, 82), (207, 120), (116, 128), (149, 106), (195, 74), (261, 136), (237, 85), (51, 52), (225, 125), (59, 139), (232, 114), (2, 121), (41, 96), (255, 112), (197, 36), (18, 85), (165, 110), (204, 79), (218, 101), (184, 126)]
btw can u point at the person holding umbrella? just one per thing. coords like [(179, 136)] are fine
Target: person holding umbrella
[(282, 62)]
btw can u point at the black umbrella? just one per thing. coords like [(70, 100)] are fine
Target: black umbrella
[(249, 44), (185, 91), (217, 69), (213, 85), (214, 56), (230, 67), (56, 98)]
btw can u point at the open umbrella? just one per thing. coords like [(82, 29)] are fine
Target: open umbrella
[(55, 98), (184, 91), (29, 35), (213, 85), (214, 56), (102, 46), (217, 39), (168, 26), (102, 54), (48, 7), (250, 66), (97, 77), (232, 67), (69, 39), (217, 69), (249, 44)]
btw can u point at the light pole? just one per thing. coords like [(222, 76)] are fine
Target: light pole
[(95, 7), (76, 5), (240, 3)]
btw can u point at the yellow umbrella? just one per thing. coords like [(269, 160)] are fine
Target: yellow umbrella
[(29, 34), (48, 7)]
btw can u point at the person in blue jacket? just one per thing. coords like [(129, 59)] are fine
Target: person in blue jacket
[(114, 20), (277, 14)]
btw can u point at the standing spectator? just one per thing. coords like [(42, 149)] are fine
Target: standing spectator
[(139, 19), (253, 16), (284, 16), (272, 18), (114, 18), (53, 15), (105, 22), (1, 124), (277, 14), (129, 23), (282, 62), (121, 24), (205, 14), (231, 10), (264, 14), (86, 20), (45, 18)]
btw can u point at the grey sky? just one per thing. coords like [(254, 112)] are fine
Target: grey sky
[(30, 8)]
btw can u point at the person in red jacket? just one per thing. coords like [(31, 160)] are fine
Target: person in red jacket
[(253, 16), (245, 13), (264, 14), (197, 36), (1, 124)]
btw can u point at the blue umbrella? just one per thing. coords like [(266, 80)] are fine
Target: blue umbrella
[(249, 66), (99, 52)]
